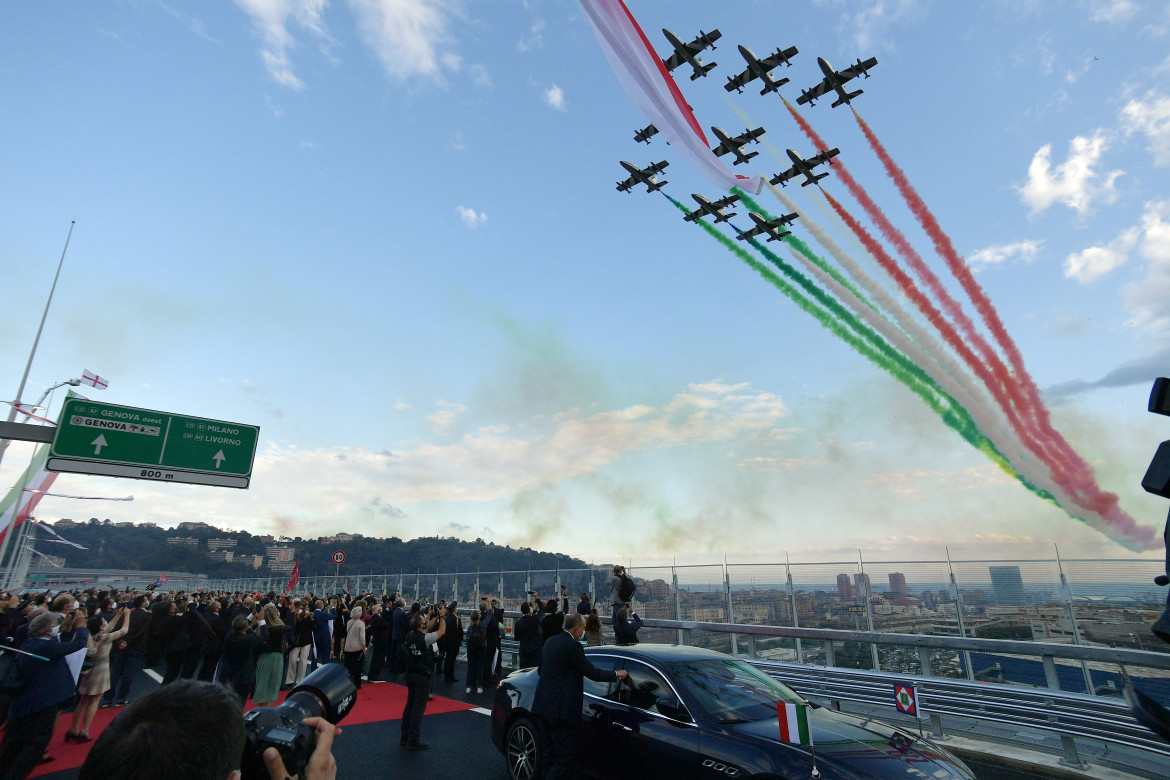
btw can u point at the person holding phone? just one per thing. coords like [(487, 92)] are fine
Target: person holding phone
[(420, 669)]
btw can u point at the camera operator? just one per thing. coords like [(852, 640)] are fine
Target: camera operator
[(166, 733), (418, 674)]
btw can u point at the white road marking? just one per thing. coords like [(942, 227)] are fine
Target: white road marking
[(154, 675), (481, 710)]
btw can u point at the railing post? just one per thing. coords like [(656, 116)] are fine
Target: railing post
[(829, 659), (677, 603), (730, 606), (792, 606), (684, 636), (751, 639)]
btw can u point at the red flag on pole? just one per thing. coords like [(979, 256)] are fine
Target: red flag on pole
[(295, 577)]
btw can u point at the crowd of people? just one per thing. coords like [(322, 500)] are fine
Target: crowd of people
[(256, 645)]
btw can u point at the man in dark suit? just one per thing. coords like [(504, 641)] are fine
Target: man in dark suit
[(127, 658), (48, 683), (560, 696)]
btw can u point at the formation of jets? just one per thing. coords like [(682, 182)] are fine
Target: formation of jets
[(761, 69), (757, 68), (773, 227), (707, 208), (736, 145), (805, 167), (689, 52), (647, 176), (834, 80)]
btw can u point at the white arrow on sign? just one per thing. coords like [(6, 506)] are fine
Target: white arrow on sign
[(98, 443), (219, 458)]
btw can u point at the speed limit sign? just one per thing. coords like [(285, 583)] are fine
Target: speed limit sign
[(339, 557)]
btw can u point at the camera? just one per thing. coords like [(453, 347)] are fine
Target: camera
[(327, 693)]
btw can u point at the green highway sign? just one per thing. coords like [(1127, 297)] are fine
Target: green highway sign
[(121, 441)]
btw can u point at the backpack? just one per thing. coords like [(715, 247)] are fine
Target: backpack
[(627, 587), (476, 637)]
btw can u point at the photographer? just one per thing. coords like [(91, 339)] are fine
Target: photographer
[(418, 675), (166, 733), (625, 630), (527, 633)]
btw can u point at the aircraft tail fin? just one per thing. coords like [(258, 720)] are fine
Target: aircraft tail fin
[(702, 71), (813, 179), (848, 96)]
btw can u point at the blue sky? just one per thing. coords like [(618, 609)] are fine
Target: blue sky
[(386, 232)]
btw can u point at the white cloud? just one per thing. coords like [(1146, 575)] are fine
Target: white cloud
[(271, 19), (1151, 118), (1112, 11), (444, 419), (1148, 300), (554, 96), (1074, 181), (871, 21), (479, 76), (1024, 251), (470, 217), (1097, 261), (409, 37), (535, 39)]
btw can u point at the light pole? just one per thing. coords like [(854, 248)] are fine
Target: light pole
[(32, 353)]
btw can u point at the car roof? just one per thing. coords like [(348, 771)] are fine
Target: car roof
[(660, 653)]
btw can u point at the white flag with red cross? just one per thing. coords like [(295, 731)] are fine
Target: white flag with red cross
[(93, 380)]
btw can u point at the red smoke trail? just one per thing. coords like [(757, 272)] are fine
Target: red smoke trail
[(936, 319), (1029, 436), (1083, 483)]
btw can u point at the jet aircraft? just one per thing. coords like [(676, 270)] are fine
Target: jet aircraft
[(760, 69), (689, 52), (805, 167), (715, 209), (643, 135), (770, 226), (735, 145), (642, 176), (835, 80)]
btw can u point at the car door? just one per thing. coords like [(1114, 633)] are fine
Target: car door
[(600, 740), (662, 737)]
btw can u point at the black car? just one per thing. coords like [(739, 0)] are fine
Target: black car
[(686, 712)]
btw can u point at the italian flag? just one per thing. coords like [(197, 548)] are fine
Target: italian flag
[(794, 723)]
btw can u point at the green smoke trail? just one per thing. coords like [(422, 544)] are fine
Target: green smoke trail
[(804, 249), (869, 344)]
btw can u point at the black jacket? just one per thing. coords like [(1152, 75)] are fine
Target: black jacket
[(552, 624), (527, 632), (563, 669), (627, 633)]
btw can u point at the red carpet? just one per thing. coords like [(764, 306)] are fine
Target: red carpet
[(376, 702)]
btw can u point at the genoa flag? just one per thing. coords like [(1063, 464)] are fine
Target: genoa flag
[(93, 380), (794, 723)]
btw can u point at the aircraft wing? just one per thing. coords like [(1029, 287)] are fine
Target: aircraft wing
[(815, 91), (825, 156), (725, 202), (779, 58), (745, 235), (624, 186), (750, 135), (737, 82), (857, 69), (784, 176), (674, 60)]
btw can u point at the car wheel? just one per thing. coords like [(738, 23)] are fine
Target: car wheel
[(522, 750)]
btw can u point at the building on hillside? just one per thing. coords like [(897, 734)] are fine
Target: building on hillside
[(65, 522), (126, 524), (194, 526), (280, 558), (182, 541), (221, 544)]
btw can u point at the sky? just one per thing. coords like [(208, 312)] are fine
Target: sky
[(387, 233)]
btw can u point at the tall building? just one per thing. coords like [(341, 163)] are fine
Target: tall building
[(845, 588), (898, 583), (280, 558), (1008, 585)]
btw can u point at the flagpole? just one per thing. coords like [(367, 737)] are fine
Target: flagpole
[(36, 341)]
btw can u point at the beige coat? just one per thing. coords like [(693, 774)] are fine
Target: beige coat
[(355, 632)]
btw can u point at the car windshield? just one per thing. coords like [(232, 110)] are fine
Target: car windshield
[(731, 691)]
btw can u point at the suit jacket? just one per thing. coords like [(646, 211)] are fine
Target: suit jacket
[(48, 682), (563, 669), (400, 622), (135, 638)]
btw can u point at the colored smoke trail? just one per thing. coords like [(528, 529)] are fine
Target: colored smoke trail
[(922, 347), (1082, 481), (1007, 396), (849, 328)]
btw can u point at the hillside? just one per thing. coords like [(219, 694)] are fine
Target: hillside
[(144, 547)]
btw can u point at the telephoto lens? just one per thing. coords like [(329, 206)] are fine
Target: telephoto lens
[(327, 693)]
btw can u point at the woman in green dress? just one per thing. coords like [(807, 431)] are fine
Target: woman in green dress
[(270, 666)]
